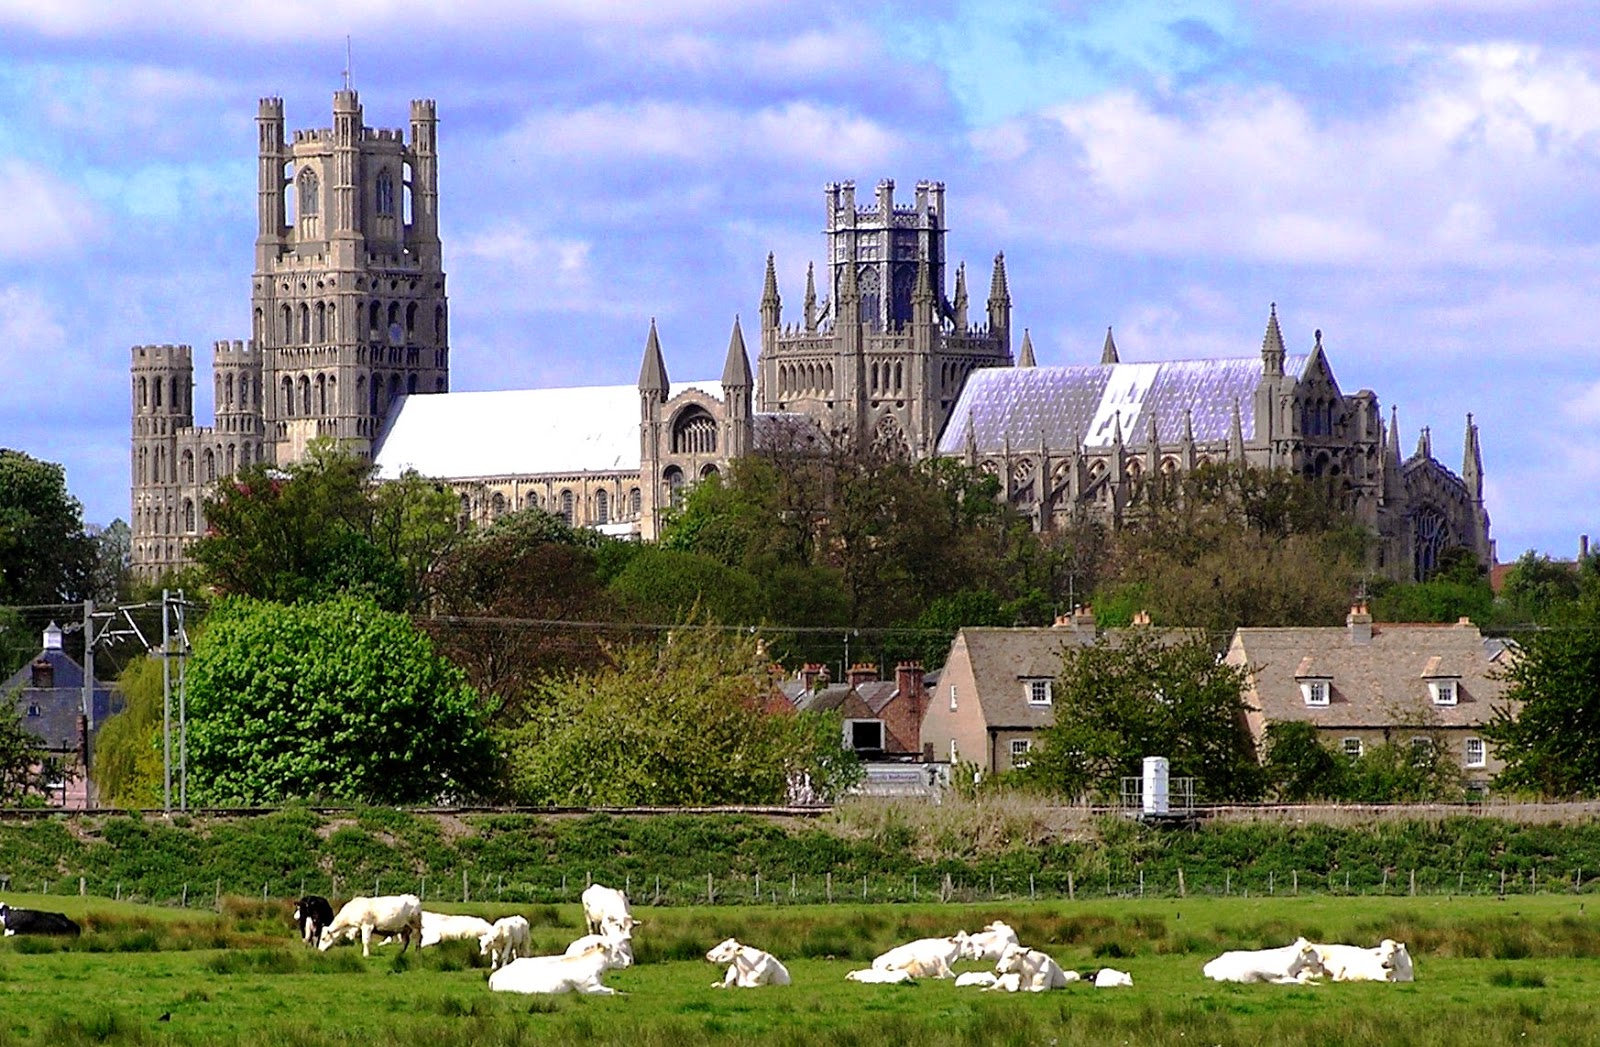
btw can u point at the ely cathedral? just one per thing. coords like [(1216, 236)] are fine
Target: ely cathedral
[(350, 340)]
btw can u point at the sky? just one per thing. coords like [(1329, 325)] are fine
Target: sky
[(1418, 179)]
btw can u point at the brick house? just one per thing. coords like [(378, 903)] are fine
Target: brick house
[(1369, 684), (48, 696), (882, 718)]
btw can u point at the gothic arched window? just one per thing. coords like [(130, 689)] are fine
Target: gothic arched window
[(385, 192), (305, 324), (673, 480), (322, 322), (322, 394), (602, 507), (1432, 532), (188, 515), (497, 506), (308, 193), (188, 466), (694, 432), (566, 507), (635, 501), (305, 396), (210, 463)]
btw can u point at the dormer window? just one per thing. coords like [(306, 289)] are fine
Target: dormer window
[(1315, 690), (1039, 692), (1443, 690)]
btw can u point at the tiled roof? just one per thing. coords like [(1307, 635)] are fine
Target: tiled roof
[(59, 705), (1084, 403)]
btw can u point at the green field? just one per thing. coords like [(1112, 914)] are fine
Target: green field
[(1526, 970)]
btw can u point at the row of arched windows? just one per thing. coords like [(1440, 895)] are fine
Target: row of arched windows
[(149, 392), (154, 468), (564, 505), (888, 378), (225, 390), (803, 379), (694, 432), (318, 323), (150, 520), (1317, 417), (307, 197)]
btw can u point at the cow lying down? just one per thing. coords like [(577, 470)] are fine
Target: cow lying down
[(878, 976), (36, 921), (1295, 963), (1388, 962), (925, 957), (748, 967), (560, 974), (1029, 970)]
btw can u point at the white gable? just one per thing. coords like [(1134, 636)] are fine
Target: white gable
[(520, 432)]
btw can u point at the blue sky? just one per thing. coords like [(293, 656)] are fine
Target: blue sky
[(1419, 179)]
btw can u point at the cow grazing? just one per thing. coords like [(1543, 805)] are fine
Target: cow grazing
[(880, 976), (1111, 978), (399, 914), (559, 974), (989, 943), (925, 957), (504, 941), (311, 914), (606, 911), (1388, 962), (36, 921), (1288, 965), (1029, 970), (444, 927), (623, 944), (748, 966)]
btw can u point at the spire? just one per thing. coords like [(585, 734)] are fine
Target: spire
[(1108, 352), (1152, 449), (1425, 443), (771, 304), (736, 371), (972, 442), (1472, 462), (1187, 446), (1025, 358), (653, 372), (1272, 345), (960, 304), (1389, 478), (1236, 436), (1000, 302), (811, 295), (998, 290)]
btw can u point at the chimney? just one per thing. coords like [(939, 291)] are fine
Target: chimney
[(814, 675), (1359, 622), (1583, 547), (1083, 618), (1141, 618), (905, 723), (861, 673)]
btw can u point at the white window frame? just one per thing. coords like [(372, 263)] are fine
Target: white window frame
[(850, 735), (1020, 750), (955, 752), (1316, 691), (1353, 747), (1032, 688), (1478, 759), (952, 697), (1444, 690), (1421, 741)]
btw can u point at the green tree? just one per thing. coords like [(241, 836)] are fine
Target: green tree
[(685, 721), (666, 585), (1299, 767), (128, 759), (336, 700), (1405, 772), (112, 578), (1536, 588), (1142, 693), (45, 555), (1546, 728), (26, 770)]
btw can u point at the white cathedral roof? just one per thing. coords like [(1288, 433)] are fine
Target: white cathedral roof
[(516, 432)]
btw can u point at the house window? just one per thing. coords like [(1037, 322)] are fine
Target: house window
[(1476, 756), (1019, 751), (33, 710), (1420, 744), (952, 697), (1352, 747), (1315, 692), (1444, 691), (865, 735), (955, 752), (1038, 692)]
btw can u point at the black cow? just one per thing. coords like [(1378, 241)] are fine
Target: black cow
[(33, 921), (311, 914)]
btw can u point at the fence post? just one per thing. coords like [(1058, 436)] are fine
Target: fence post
[(758, 886), (1030, 887), (1577, 883), (1413, 883), (82, 890), (710, 891), (424, 887), (1461, 880), (913, 886), (1141, 883), (793, 884), (1295, 873), (1271, 887), (1227, 882), (947, 890), (1502, 883), (1182, 893), (463, 886), (1533, 880), (1384, 887), (185, 902), (830, 888), (863, 887), (216, 903), (563, 885), (991, 887), (1072, 891)]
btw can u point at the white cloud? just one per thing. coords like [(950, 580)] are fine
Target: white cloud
[(1584, 406), (44, 217), (520, 270)]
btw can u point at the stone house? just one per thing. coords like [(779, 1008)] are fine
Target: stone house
[(1370, 684), (48, 694)]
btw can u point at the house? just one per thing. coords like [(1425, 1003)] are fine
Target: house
[(881, 717), (1369, 684), (996, 691), (48, 695)]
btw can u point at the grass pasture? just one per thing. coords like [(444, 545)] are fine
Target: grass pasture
[(1523, 971)]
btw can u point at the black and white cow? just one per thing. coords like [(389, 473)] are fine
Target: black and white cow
[(311, 914), (33, 921)]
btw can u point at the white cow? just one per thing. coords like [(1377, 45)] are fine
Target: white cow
[(1110, 978), (980, 978), (398, 914), (623, 943), (925, 957), (1288, 965), (1389, 962), (989, 943), (558, 974), (748, 966), (506, 939), (606, 911), (443, 927), (878, 976), (1029, 970)]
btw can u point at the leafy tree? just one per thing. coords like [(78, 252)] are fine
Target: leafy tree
[(685, 721), (112, 578), (1546, 729), (665, 585), (1537, 587), (1147, 694), (1300, 767), (45, 556), (335, 700), (1405, 772), (1458, 589), (128, 764), (26, 769)]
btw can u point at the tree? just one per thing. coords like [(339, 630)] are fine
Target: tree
[(685, 721), (1545, 730), (1138, 694), (336, 700), (1300, 767), (26, 769), (1458, 589), (1537, 587), (45, 556), (128, 760), (112, 578)]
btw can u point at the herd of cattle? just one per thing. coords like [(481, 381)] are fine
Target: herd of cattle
[(608, 946)]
